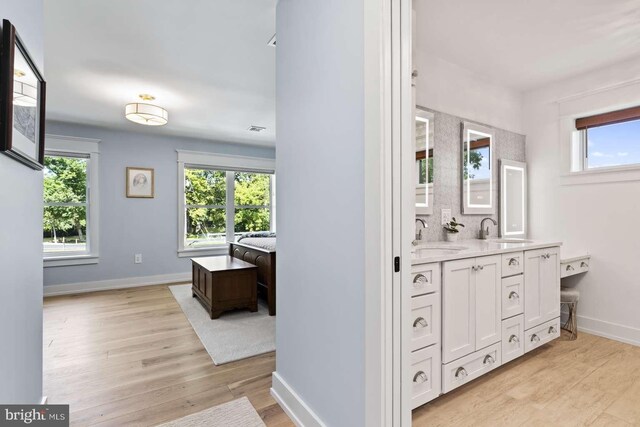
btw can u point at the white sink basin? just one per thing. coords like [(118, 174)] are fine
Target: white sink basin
[(507, 240)]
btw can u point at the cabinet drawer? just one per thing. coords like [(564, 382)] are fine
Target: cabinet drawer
[(576, 266), (470, 367), (425, 375), (425, 321), (512, 263), (512, 338), (425, 279), (542, 334), (512, 296)]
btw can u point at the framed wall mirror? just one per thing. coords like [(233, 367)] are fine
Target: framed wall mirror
[(477, 169), (424, 148), (513, 199)]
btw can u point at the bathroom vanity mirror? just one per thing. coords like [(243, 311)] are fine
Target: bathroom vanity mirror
[(513, 199), (424, 145), (477, 170)]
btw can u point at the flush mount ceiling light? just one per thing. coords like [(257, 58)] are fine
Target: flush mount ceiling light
[(24, 95), (146, 114)]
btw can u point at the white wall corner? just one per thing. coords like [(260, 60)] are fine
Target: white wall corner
[(105, 285), (292, 404)]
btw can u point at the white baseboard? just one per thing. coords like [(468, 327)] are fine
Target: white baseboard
[(105, 285), (292, 405), (609, 330)]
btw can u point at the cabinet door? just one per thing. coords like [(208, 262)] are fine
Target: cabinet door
[(488, 296), (541, 286), (458, 311), (550, 286)]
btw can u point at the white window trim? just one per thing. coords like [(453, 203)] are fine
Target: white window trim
[(61, 145), (575, 155), (217, 161)]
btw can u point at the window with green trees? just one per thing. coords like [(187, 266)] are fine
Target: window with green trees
[(220, 205), (66, 202)]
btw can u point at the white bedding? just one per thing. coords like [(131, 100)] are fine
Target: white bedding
[(268, 243)]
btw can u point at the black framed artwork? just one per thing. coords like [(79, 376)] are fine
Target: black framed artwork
[(22, 101)]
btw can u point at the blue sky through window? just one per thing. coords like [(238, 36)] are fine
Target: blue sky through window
[(614, 145)]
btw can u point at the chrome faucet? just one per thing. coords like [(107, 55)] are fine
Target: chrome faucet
[(484, 232), (419, 230)]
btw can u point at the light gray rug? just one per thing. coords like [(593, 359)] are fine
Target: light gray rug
[(235, 335), (237, 413)]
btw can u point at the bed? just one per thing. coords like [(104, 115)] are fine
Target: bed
[(260, 250)]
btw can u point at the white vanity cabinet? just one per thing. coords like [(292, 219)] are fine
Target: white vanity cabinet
[(471, 308), (479, 308), (542, 286)]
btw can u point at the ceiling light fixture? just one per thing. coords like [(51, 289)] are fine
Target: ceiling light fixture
[(146, 114)]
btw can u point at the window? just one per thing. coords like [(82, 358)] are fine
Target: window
[(607, 140), (65, 204), (70, 215), (219, 203)]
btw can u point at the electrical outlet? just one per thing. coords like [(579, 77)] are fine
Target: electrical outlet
[(446, 216), (137, 258)]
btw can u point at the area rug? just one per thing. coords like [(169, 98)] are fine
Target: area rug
[(235, 335), (237, 413)]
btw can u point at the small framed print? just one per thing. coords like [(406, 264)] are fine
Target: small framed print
[(140, 183), (22, 101)]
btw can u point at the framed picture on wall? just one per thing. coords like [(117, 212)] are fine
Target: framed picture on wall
[(140, 183), (22, 101)]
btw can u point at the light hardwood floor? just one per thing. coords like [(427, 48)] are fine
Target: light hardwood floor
[(592, 381), (130, 357)]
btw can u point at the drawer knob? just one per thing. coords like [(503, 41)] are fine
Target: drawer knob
[(584, 265), (513, 295), (420, 280), (420, 322), (489, 360), (545, 256), (477, 267), (461, 373), (514, 261), (514, 338), (552, 329), (570, 267), (535, 338), (420, 377)]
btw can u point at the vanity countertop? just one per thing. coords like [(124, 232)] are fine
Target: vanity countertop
[(447, 251)]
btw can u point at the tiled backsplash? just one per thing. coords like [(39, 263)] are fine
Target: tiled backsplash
[(448, 176)]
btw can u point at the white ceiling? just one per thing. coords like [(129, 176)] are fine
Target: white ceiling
[(206, 61), (527, 43)]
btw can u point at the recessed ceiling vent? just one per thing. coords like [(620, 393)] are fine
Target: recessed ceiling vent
[(256, 128), (272, 42)]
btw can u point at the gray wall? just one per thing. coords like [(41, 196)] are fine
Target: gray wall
[(21, 245), (448, 174), (130, 226), (320, 156)]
